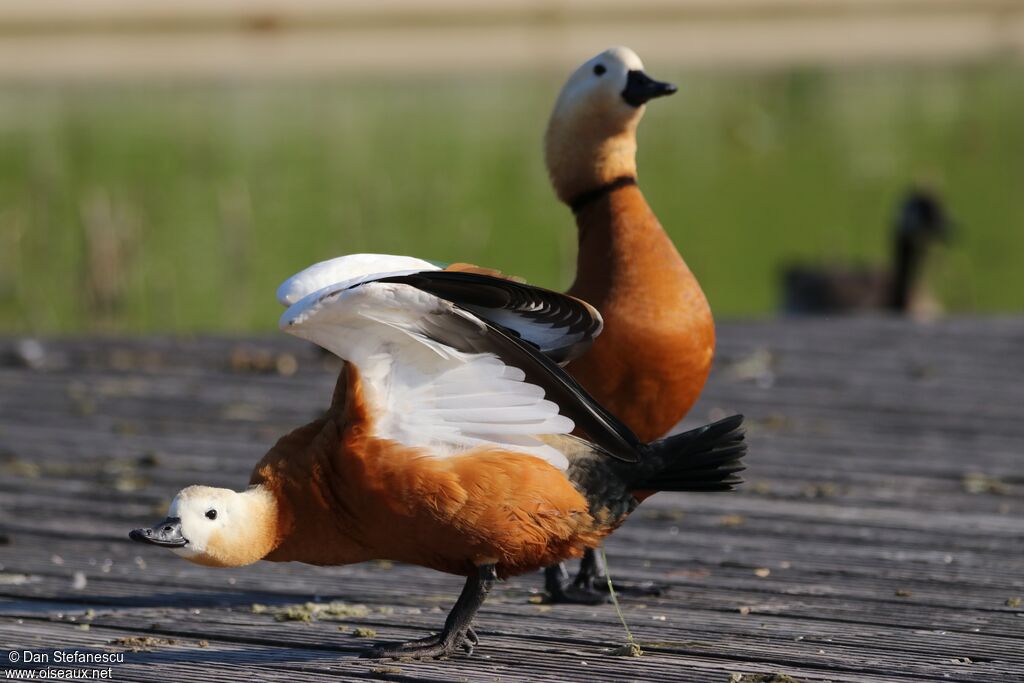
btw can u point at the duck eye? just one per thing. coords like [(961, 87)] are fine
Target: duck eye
[(211, 514), (599, 69)]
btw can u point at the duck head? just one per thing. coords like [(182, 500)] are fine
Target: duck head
[(922, 218), (591, 136), (216, 527)]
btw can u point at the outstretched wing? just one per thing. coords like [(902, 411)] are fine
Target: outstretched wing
[(559, 326), (423, 390), (440, 376)]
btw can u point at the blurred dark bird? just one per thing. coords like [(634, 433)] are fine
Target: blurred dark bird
[(922, 220)]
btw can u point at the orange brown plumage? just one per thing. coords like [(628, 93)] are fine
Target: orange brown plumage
[(350, 491), (650, 363)]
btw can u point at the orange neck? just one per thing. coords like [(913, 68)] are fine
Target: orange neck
[(650, 363), (624, 251)]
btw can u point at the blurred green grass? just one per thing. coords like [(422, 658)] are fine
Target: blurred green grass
[(181, 207)]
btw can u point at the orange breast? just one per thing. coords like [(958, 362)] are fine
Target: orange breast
[(651, 361)]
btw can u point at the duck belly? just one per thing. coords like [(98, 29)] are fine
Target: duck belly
[(485, 506)]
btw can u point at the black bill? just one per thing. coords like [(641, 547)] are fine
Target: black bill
[(167, 534), (641, 88)]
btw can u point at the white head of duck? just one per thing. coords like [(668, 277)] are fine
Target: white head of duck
[(591, 136), (216, 527)]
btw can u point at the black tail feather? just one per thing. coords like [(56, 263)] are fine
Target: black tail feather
[(703, 459)]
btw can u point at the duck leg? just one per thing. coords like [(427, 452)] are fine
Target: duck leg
[(458, 633), (562, 590), (590, 587)]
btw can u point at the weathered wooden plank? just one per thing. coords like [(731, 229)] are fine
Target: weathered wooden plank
[(162, 582), (226, 661), (923, 656), (882, 499)]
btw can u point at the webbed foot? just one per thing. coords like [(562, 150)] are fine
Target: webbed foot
[(590, 587), (457, 635), (438, 645)]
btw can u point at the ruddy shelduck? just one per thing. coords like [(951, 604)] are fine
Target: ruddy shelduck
[(651, 362), (449, 442)]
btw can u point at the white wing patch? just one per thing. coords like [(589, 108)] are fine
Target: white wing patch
[(425, 393), (346, 271)]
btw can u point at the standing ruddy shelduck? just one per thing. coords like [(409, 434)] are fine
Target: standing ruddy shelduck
[(448, 443), (653, 358)]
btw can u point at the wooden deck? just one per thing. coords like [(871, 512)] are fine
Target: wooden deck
[(879, 536)]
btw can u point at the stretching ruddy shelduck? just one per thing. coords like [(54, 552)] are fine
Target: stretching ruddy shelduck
[(448, 443), (653, 358)]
